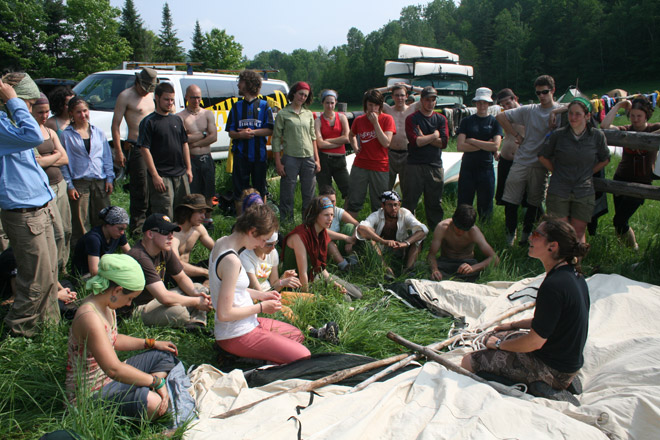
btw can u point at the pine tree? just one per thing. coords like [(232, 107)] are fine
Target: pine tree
[(199, 47), (169, 46), (132, 28)]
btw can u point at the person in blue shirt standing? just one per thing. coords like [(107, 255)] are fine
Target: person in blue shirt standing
[(479, 138), (89, 175), (26, 215), (249, 124)]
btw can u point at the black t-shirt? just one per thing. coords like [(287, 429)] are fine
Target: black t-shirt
[(164, 136), (428, 154), (482, 129), (562, 317), (93, 243)]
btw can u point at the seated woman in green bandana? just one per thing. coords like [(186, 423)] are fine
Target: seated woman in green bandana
[(137, 385)]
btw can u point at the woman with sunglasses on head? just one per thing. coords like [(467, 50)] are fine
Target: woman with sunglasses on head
[(573, 154), (295, 150), (331, 136), (238, 329), (101, 240), (306, 248), (636, 165), (551, 352), (138, 384)]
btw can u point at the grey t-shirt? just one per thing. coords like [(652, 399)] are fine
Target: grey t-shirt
[(535, 119), (573, 161)]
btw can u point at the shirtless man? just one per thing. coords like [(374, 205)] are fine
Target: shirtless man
[(398, 153), (189, 215), (133, 104), (455, 238), (202, 132)]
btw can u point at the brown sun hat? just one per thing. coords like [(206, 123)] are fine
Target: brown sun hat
[(195, 202)]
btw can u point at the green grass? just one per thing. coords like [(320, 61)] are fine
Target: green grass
[(32, 371)]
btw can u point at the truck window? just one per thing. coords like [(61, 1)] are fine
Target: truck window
[(101, 91)]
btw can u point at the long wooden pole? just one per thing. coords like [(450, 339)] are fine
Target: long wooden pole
[(452, 367), (436, 347)]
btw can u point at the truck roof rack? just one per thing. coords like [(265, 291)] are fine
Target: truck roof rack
[(131, 65)]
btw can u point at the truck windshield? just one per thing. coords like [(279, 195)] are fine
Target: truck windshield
[(101, 90)]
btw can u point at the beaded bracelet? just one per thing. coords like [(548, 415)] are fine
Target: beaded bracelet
[(149, 343), (157, 383)]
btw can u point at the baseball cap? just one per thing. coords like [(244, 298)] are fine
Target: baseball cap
[(160, 223)]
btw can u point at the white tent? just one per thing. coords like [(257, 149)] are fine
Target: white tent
[(621, 381)]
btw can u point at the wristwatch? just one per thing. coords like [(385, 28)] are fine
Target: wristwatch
[(497, 344)]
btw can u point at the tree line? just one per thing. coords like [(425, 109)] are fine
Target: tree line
[(509, 42)]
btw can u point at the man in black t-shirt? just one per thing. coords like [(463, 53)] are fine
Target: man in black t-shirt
[(164, 146), (427, 136)]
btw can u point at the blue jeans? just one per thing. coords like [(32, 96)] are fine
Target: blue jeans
[(480, 181)]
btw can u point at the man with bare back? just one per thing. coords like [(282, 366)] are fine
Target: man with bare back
[(133, 104), (202, 132), (398, 152), (189, 215), (455, 239)]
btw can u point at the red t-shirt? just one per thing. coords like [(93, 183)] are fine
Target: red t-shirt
[(373, 156)]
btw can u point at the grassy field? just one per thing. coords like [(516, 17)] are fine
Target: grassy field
[(32, 400)]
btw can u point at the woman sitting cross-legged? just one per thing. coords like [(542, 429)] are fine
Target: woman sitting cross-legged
[(306, 247), (551, 353), (238, 330), (137, 385)]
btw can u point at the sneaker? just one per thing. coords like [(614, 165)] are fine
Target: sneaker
[(328, 333), (352, 260), (510, 238), (344, 266), (542, 389)]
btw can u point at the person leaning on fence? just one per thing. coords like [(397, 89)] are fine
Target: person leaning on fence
[(573, 154), (306, 248), (527, 175), (295, 150), (331, 136), (26, 212), (551, 352), (93, 369), (636, 165)]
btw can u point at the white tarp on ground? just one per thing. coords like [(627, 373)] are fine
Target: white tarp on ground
[(621, 381)]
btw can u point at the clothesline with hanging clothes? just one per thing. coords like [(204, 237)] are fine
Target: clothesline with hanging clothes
[(605, 103)]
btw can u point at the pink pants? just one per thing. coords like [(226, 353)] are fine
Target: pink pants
[(271, 340)]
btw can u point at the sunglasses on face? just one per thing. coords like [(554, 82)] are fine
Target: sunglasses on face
[(162, 231), (543, 92)]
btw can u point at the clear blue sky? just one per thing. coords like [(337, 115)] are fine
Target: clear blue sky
[(284, 25)]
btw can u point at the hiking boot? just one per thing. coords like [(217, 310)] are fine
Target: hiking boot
[(510, 238), (328, 333), (542, 389)]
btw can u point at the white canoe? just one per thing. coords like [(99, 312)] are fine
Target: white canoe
[(407, 51), (397, 68), (424, 69)]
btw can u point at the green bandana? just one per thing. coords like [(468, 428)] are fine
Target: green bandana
[(27, 89), (583, 101), (121, 269)]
